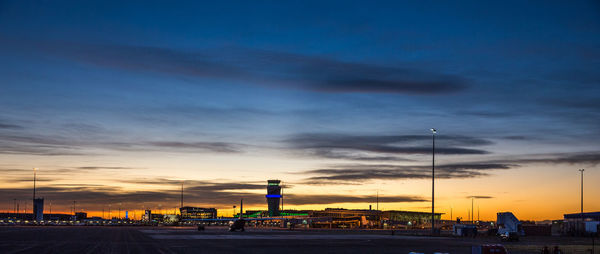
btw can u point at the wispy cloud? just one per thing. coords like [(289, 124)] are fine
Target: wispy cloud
[(35, 144), (206, 193), (480, 197), (262, 67), (295, 199), (359, 173), (220, 147), (589, 158), (380, 147), (5, 125)]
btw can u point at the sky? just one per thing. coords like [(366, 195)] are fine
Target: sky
[(117, 104)]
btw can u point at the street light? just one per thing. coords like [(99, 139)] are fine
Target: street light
[(581, 211), (433, 131), (34, 175)]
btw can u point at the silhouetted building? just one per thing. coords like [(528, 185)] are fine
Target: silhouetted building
[(38, 209), (578, 223), (188, 212), (30, 216), (282, 213), (347, 213), (273, 196), (80, 216), (594, 216), (415, 218)]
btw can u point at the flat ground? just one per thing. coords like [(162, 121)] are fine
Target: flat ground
[(100, 239)]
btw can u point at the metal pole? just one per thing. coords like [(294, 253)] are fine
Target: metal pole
[(581, 211), (472, 215), (34, 169), (181, 204), (433, 181)]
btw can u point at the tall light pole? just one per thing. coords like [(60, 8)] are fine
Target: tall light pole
[(377, 201), (34, 176), (472, 209), (181, 194), (581, 211), (433, 131)]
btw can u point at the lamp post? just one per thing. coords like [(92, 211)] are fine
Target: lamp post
[(472, 209), (34, 176), (181, 194), (433, 131), (581, 211)]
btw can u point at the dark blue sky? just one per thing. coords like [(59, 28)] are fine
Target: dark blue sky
[(301, 78), (522, 68)]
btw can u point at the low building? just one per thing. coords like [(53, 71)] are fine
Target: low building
[(254, 214), (282, 213), (593, 216), (580, 223), (350, 218), (80, 216), (189, 212), (415, 218)]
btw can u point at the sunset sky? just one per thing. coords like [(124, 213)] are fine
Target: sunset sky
[(118, 103)]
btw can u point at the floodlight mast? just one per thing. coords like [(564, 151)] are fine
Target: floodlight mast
[(581, 211), (433, 131), (34, 176)]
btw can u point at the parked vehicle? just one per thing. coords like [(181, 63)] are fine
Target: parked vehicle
[(489, 249), (509, 236)]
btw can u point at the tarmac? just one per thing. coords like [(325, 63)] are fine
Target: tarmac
[(121, 239)]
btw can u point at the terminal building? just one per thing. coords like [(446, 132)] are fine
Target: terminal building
[(348, 218), (188, 212), (415, 218)]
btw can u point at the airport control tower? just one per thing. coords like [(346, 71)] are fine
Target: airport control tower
[(273, 196)]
